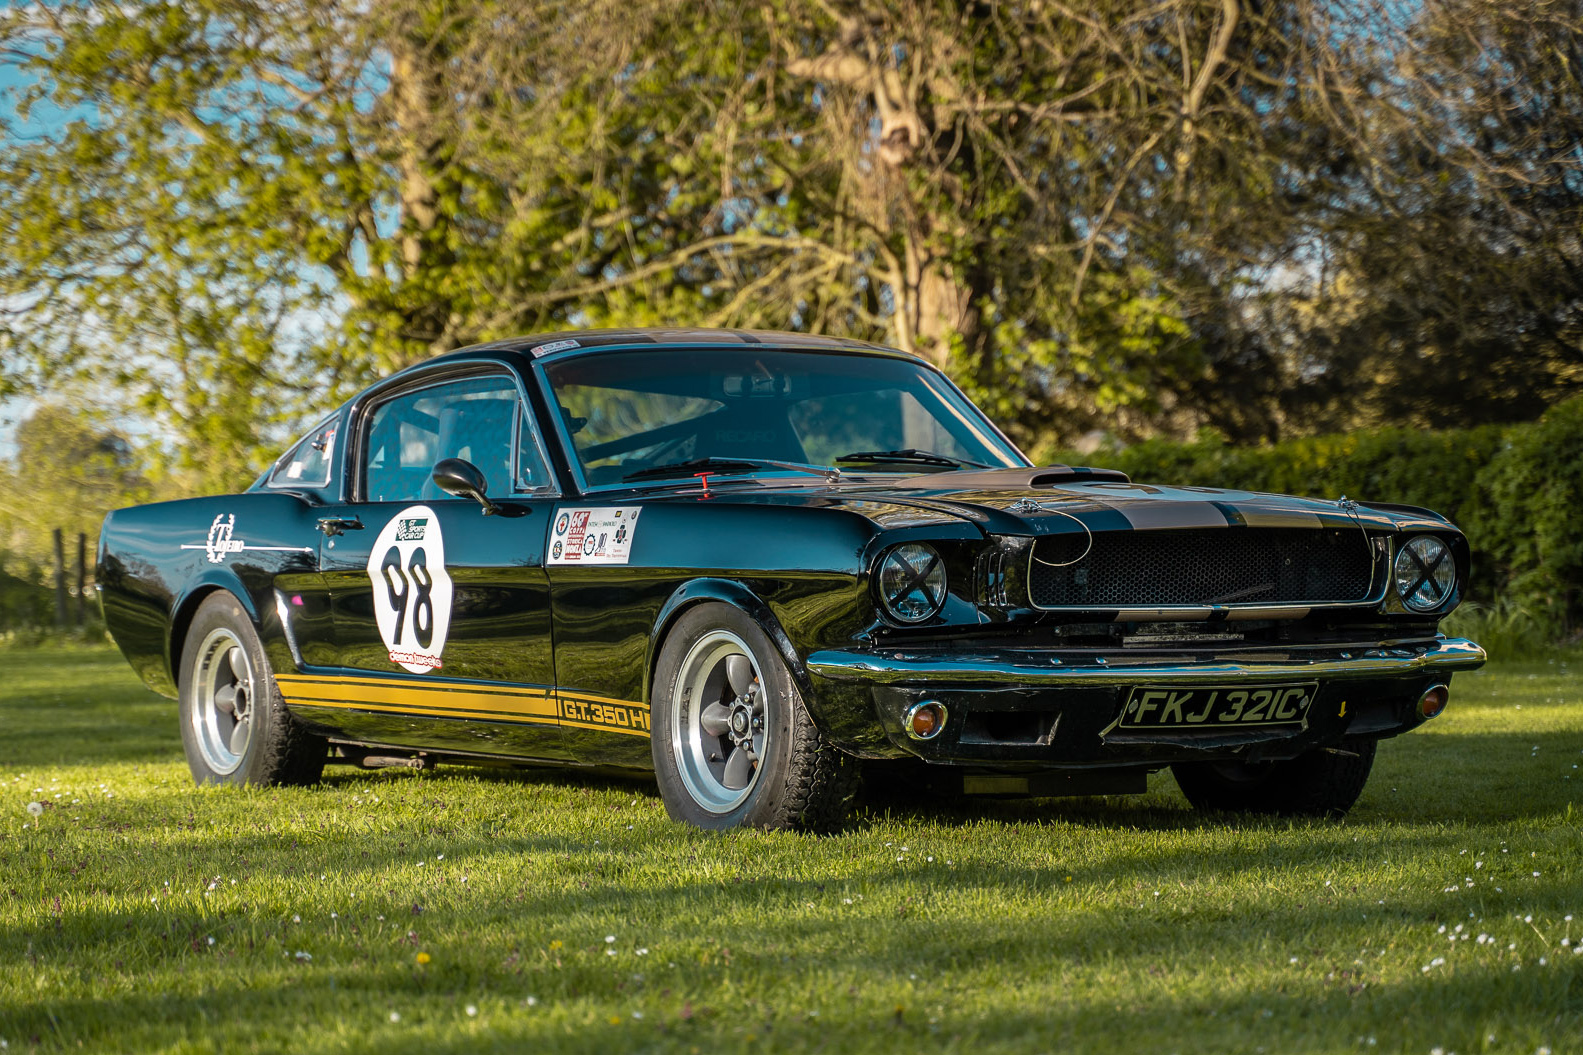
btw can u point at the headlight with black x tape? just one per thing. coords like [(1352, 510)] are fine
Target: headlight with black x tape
[(912, 583), (1425, 573)]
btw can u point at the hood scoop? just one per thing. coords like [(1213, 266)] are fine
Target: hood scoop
[(1007, 479)]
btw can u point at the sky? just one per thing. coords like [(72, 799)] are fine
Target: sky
[(12, 82)]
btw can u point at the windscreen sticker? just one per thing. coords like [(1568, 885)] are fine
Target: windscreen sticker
[(594, 536), (553, 346), (412, 589)]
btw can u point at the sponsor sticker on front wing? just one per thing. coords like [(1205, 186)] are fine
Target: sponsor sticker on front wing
[(600, 535)]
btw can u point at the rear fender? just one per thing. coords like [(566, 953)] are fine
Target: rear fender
[(219, 580)]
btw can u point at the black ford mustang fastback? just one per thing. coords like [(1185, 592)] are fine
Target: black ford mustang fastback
[(757, 563)]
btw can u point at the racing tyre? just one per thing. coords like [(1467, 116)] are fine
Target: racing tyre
[(234, 724), (733, 743), (1316, 784)]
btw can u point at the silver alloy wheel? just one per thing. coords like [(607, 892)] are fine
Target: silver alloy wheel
[(224, 690), (720, 732)]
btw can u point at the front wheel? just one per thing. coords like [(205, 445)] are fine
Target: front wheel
[(234, 725), (1318, 783), (733, 743)]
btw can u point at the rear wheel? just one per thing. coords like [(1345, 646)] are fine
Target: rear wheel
[(733, 744), (234, 725), (1319, 783)]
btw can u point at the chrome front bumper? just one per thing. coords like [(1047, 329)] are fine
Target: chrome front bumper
[(1075, 668)]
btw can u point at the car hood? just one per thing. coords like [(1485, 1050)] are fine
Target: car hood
[(1058, 500)]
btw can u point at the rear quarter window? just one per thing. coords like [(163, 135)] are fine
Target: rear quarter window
[(310, 461)]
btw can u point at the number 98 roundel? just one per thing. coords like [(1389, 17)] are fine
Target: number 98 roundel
[(412, 591)]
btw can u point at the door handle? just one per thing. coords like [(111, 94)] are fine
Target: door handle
[(332, 526)]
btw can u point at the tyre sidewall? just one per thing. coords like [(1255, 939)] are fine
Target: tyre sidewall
[(221, 611), (782, 715), (1317, 783)]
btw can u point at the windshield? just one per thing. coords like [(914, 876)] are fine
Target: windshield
[(628, 412)]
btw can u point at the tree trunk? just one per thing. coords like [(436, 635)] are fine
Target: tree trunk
[(948, 306), (60, 581), (427, 188), (82, 580)]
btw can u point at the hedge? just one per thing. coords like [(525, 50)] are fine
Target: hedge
[(1517, 490)]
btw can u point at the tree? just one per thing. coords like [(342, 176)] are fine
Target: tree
[(70, 470), (1452, 284), (1136, 216)]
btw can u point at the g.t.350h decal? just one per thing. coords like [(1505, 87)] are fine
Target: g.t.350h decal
[(412, 590)]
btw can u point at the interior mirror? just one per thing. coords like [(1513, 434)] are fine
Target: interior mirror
[(459, 477)]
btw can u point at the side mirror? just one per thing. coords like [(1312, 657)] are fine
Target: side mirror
[(459, 477)]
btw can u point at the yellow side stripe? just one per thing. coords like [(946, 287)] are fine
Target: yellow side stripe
[(462, 700), (434, 685), (437, 695), (545, 710)]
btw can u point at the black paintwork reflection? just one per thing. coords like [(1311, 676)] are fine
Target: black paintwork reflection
[(159, 561), (500, 613), (525, 740)]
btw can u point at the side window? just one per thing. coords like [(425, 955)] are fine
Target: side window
[(474, 419), (308, 464), (532, 474)]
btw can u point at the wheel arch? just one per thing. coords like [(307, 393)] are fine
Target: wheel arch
[(183, 612), (723, 591)]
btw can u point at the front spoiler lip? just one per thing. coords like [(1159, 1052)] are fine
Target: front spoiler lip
[(1443, 655)]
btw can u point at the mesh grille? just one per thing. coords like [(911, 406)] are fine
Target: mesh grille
[(1192, 567)]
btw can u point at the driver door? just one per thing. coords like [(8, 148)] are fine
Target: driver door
[(442, 628)]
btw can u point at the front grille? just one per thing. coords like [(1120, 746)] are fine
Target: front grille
[(1237, 566)]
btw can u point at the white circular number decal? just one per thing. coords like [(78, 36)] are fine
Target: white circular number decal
[(412, 591)]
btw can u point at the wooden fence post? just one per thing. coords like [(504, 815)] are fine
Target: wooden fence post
[(60, 582), (82, 580)]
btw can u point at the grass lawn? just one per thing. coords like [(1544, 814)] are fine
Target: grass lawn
[(460, 911)]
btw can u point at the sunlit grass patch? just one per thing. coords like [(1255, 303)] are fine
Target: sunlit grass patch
[(476, 910)]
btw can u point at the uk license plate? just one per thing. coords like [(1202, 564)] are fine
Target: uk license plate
[(1211, 707)]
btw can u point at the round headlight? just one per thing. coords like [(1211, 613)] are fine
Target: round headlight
[(1425, 573), (912, 583)]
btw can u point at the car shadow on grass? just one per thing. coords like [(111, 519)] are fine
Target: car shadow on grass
[(1450, 779), (1467, 778)]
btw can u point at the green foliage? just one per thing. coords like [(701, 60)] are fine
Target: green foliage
[(25, 601), (1530, 502), (1506, 629), (1149, 219), (1433, 469), (70, 470)]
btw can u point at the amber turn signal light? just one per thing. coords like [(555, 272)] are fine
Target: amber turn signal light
[(924, 720), (1433, 701)]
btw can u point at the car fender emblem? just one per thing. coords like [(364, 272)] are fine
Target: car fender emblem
[(221, 541)]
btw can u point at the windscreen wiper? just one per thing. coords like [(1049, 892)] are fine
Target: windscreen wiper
[(728, 466), (909, 454)]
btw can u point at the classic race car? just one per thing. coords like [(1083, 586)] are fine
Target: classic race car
[(751, 561)]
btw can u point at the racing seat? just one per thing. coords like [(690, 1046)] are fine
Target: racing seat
[(480, 431)]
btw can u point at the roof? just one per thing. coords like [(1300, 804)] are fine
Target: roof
[(568, 341)]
